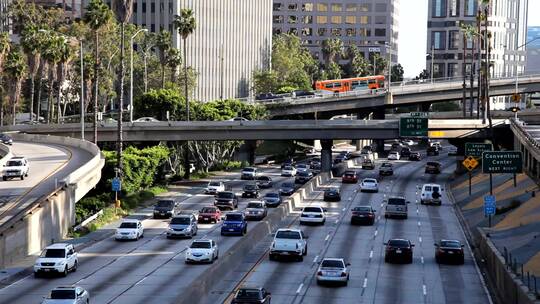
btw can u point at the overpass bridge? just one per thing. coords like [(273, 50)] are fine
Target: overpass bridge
[(401, 95)]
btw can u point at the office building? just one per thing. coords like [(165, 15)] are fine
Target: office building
[(507, 23), (371, 25), (4, 20), (533, 50)]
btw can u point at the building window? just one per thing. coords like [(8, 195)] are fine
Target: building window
[(438, 70), (278, 19), (277, 7), (468, 68), (322, 19), (453, 70), (350, 32), (470, 43), (439, 8), (380, 19), (380, 7), (161, 7), (307, 19), (307, 31), (470, 7), (336, 19), (152, 28), (321, 32), (380, 32), (437, 40), (293, 7), (152, 7), (337, 7), (350, 7), (336, 32), (293, 31), (365, 32), (144, 7), (292, 19), (322, 7), (454, 8), (364, 7), (364, 19), (135, 7), (307, 7), (277, 31), (170, 7), (350, 19), (453, 40)]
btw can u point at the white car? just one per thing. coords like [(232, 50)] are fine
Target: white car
[(248, 173), (315, 215), (214, 187), (408, 142), (56, 258), (436, 144), (146, 119), (16, 167), (333, 270), (394, 155), (396, 206), (202, 251), (68, 295), (129, 229), (369, 185), (288, 171), (289, 242), (431, 194), (302, 168)]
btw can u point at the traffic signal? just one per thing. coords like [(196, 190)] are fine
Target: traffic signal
[(516, 97)]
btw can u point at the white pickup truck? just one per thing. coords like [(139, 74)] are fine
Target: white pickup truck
[(16, 167), (289, 242)]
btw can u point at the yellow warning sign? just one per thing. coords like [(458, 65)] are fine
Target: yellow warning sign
[(470, 163)]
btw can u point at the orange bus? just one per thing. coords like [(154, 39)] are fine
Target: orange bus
[(351, 84)]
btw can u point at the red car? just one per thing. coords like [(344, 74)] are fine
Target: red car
[(209, 215), (449, 251), (349, 177)]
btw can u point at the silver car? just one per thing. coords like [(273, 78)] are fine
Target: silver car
[(68, 295), (333, 270), (255, 210)]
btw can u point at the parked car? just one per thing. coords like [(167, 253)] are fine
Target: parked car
[(394, 155), (16, 167), (433, 167), (60, 258), (363, 215), (234, 224), (183, 225), (289, 243), (303, 177), (333, 270), (287, 189), (288, 171), (431, 194), (214, 187), (369, 185), (226, 200), (249, 295), (346, 154), (415, 156), (449, 251), (248, 173), (256, 210), (264, 182), (386, 169), (129, 229), (349, 176), (313, 215), (67, 295), (209, 215), (432, 151), (250, 190), (272, 199), (398, 250), (368, 164), (396, 206), (165, 209), (201, 251), (6, 139), (332, 194)]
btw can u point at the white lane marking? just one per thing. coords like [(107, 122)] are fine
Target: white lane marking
[(424, 289), (417, 211), (327, 237), (420, 239), (337, 221), (422, 260), (315, 259), (379, 217), (140, 281), (371, 254), (365, 283), (350, 198), (382, 204), (419, 224), (343, 209), (300, 288), (375, 233)]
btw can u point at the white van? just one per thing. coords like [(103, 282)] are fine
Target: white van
[(431, 194)]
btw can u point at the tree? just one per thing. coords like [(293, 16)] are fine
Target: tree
[(333, 71), (146, 45), (358, 65), (174, 60), (65, 55), (32, 40), (97, 15), (397, 72), (378, 64), (163, 43), (16, 70), (332, 48), (5, 46), (423, 75), (52, 54), (185, 24)]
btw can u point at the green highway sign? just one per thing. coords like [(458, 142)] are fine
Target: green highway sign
[(502, 162), (413, 127), (476, 149)]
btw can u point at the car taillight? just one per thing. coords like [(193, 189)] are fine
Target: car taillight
[(355, 213), (371, 215), (343, 274)]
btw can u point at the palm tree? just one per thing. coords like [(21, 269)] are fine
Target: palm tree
[(65, 52), (4, 50), (15, 69), (174, 60), (97, 15), (331, 49), (185, 24), (31, 41), (163, 43), (52, 54), (148, 42)]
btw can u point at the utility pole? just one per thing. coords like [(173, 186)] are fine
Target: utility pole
[(464, 74), (81, 99), (432, 60)]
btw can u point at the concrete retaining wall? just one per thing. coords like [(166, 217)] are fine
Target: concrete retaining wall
[(509, 289), (50, 217)]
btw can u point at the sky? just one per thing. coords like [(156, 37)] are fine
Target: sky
[(413, 33)]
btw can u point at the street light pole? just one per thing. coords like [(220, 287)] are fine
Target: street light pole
[(131, 74), (82, 90), (432, 60)]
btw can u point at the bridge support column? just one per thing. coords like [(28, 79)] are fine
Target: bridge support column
[(379, 143), (251, 145), (326, 155), (424, 107), (360, 143)]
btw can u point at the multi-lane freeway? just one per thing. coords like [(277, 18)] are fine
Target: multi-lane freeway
[(152, 269)]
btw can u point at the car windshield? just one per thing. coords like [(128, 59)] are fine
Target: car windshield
[(248, 294), (200, 245), (398, 243), (225, 195), (53, 253), (271, 194), (168, 204), (249, 187), (63, 294), (396, 201), (233, 217), (332, 263), (386, 165), (249, 170), (284, 234), (14, 163), (208, 210), (362, 209), (214, 184), (394, 153), (287, 168), (312, 209), (128, 225), (331, 190), (254, 205), (263, 178), (287, 185), (303, 173), (349, 173), (301, 166), (451, 244), (369, 181), (184, 220)]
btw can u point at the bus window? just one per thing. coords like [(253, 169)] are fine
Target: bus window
[(328, 85), (337, 84)]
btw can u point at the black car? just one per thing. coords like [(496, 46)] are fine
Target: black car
[(265, 96), (6, 139), (398, 250), (433, 167), (287, 189), (332, 194), (226, 200), (165, 209), (250, 190), (414, 156), (272, 199), (303, 177), (363, 215), (339, 159), (249, 295), (449, 251), (432, 151), (264, 182), (405, 152)]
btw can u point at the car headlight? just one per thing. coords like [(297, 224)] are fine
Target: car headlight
[(61, 263), (188, 228), (170, 229), (37, 264), (133, 232)]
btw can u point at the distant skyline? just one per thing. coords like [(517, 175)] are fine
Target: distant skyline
[(413, 33)]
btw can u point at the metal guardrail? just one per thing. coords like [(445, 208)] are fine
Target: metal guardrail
[(530, 280), (518, 126)]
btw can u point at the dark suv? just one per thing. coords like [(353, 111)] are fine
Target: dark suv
[(165, 209), (251, 190), (234, 223), (405, 152), (251, 295), (433, 167), (398, 250), (226, 200), (432, 151)]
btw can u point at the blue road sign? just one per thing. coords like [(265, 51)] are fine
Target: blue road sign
[(116, 184), (489, 205)]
